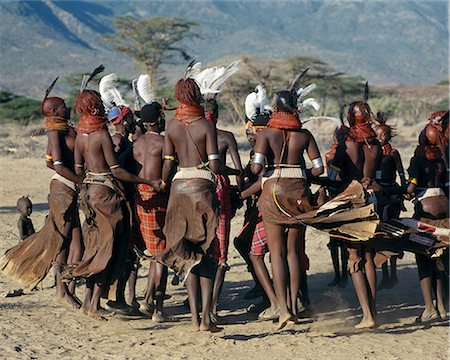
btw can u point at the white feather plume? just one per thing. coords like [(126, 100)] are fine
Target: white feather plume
[(145, 88), (192, 70), (210, 80), (309, 102), (251, 105), (302, 92), (109, 93), (263, 100)]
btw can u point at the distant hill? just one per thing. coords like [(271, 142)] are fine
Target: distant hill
[(387, 42)]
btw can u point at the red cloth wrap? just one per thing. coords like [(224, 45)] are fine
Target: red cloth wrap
[(284, 121), (91, 123), (151, 210), (361, 133), (259, 240), (123, 113), (223, 193)]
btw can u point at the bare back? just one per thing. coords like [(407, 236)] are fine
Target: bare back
[(148, 153), (297, 142), (181, 137), (95, 151)]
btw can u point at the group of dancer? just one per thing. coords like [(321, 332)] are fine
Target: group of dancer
[(162, 192)]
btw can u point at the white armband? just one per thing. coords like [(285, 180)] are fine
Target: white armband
[(57, 162), (317, 162), (259, 159), (213, 157)]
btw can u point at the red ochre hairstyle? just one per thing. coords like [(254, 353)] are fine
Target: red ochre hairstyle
[(188, 92), (367, 115), (48, 100), (86, 101)]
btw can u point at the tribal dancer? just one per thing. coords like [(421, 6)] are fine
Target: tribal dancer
[(59, 241), (428, 177), (358, 160), (391, 203), (152, 206), (192, 211), (106, 230), (283, 144)]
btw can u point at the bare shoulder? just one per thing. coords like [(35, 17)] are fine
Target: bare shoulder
[(227, 135)]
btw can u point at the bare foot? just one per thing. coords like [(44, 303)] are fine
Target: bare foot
[(283, 320), (212, 328), (83, 310), (366, 324), (427, 316), (68, 299), (271, 313), (442, 313), (96, 315)]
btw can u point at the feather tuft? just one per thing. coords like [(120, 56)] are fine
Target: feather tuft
[(145, 88), (366, 92), (108, 91), (211, 80), (88, 78), (49, 89), (137, 99), (251, 105), (192, 69)]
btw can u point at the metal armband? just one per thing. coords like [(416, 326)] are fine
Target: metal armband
[(57, 162), (259, 158), (213, 157), (317, 162), (112, 167)]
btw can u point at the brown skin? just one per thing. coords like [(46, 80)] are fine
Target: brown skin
[(61, 147), (25, 209), (284, 254), (176, 140), (148, 153), (95, 152)]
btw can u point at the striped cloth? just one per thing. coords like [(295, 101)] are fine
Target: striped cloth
[(259, 241), (151, 209), (224, 224)]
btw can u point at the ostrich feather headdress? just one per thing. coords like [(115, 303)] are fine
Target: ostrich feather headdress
[(88, 78), (299, 94), (145, 88), (108, 91), (210, 80), (257, 102)]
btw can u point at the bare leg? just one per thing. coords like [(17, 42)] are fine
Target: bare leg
[(362, 292), (88, 295), (150, 291), (385, 279), (206, 286), (334, 252), (344, 263), (160, 291), (132, 279), (243, 248), (74, 255), (192, 285), (293, 248), (371, 276), (217, 289), (393, 276), (264, 278), (277, 247)]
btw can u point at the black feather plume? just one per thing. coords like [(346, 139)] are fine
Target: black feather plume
[(296, 84), (366, 92), (49, 89), (341, 113)]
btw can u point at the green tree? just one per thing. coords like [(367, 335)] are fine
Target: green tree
[(152, 41)]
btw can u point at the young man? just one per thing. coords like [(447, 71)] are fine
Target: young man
[(358, 160), (106, 229), (152, 206), (282, 145), (191, 218), (59, 240)]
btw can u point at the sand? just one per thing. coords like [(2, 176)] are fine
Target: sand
[(33, 327)]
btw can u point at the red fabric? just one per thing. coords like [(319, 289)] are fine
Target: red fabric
[(284, 121), (91, 123), (259, 241), (224, 225), (189, 113), (151, 209), (123, 113), (361, 133)]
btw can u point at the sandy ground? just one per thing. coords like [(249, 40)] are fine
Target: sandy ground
[(33, 327)]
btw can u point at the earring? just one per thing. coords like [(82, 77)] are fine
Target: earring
[(94, 111)]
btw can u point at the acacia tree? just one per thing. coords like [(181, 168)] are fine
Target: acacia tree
[(152, 41)]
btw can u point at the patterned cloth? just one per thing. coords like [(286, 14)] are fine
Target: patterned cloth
[(224, 225), (151, 209), (259, 240)]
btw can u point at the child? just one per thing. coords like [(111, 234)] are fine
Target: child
[(25, 225)]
